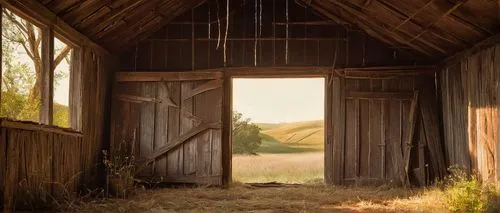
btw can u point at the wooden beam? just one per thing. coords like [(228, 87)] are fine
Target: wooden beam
[(253, 39), (377, 27), (142, 34), (380, 95), (30, 126), (275, 72), (83, 10), (47, 77), (400, 14), (210, 85), (45, 17), (412, 121), (405, 32), (410, 17), (180, 140), (449, 11), (495, 39), (442, 34), (116, 15), (164, 76)]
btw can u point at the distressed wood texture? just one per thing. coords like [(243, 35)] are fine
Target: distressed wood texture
[(38, 166), (64, 156), (179, 136), (470, 102), (192, 41), (374, 140)]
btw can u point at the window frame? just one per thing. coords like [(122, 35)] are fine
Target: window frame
[(49, 33)]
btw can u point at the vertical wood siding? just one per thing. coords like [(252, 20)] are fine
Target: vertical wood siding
[(44, 161), (152, 116), (171, 48), (39, 166), (370, 121), (470, 102)]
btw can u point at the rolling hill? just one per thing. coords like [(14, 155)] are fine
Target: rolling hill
[(307, 136)]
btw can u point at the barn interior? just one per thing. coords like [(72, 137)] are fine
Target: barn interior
[(411, 88)]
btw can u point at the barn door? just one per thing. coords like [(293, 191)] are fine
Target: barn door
[(172, 124), (372, 131)]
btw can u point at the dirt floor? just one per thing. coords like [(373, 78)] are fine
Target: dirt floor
[(296, 198)]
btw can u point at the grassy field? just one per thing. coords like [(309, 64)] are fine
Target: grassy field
[(244, 198), (289, 153), (308, 134), (284, 168)]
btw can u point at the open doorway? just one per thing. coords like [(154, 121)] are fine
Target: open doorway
[(278, 130)]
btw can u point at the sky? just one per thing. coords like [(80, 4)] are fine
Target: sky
[(278, 100)]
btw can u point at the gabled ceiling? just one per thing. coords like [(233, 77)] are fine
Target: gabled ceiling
[(115, 24), (433, 28)]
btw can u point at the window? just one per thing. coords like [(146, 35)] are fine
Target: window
[(63, 55), (21, 68), (24, 74)]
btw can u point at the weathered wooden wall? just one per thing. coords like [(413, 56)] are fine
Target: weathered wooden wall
[(373, 131), (39, 164), (65, 157), (173, 122), (191, 41), (36, 154), (470, 105)]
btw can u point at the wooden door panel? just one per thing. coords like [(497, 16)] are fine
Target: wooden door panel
[(179, 124)]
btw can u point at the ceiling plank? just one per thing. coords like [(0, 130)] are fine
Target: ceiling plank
[(370, 21), (116, 15), (449, 11)]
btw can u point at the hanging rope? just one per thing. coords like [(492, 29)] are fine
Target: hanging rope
[(209, 22), (218, 23), (227, 29), (255, 36), (286, 42)]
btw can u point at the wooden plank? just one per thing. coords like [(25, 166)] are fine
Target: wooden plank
[(497, 146), (161, 127), (364, 148), (338, 137), (47, 77), (189, 148), (166, 76), (210, 85), (35, 127), (174, 156), (147, 125), (40, 14), (226, 130), (329, 125), (380, 95), (395, 142), (410, 126), (179, 141), (11, 178), (3, 161), (428, 111), (375, 134), (75, 95)]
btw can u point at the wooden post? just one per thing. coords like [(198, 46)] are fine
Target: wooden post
[(75, 94), (227, 150), (47, 76), (412, 120), (334, 144)]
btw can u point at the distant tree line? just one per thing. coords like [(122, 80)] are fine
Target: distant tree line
[(246, 136)]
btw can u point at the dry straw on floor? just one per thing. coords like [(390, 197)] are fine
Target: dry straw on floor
[(303, 198)]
